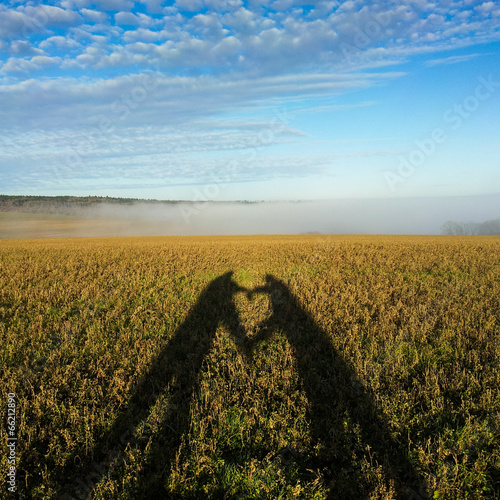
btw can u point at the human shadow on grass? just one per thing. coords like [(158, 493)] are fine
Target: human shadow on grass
[(177, 369), (347, 431)]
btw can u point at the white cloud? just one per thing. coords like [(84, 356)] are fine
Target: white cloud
[(159, 99), (142, 34), (126, 18), (74, 4), (223, 5), (90, 57), (94, 15), (350, 35), (451, 59), (36, 63), (12, 23), (485, 8), (52, 16), (322, 9), (147, 21), (86, 32), (207, 25), (154, 153), (43, 61), (23, 48), (25, 21), (124, 58), (464, 14), (245, 21), (153, 6), (61, 42), (189, 5), (246, 40), (140, 48), (226, 50)]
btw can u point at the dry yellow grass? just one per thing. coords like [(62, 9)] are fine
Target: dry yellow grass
[(253, 367)]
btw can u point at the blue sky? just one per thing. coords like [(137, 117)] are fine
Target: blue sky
[(228, 100)]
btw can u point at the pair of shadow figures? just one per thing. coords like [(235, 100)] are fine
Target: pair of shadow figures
[(330, 384)]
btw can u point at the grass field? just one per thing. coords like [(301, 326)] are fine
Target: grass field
[(253, 367)]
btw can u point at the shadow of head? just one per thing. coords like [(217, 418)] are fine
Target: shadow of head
[(284, 312), (278, 292), (223, 283), (217, 299)]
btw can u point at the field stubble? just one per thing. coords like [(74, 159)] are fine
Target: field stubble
[(253, 367)]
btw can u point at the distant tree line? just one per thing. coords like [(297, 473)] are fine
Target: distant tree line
[(72, 205), (489, 227), (63, 205)]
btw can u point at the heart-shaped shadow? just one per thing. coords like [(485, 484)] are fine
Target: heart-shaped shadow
[(333, 390)]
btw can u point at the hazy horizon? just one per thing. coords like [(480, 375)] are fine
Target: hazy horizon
[(375, 216)]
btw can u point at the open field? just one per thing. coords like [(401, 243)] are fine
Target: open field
[(253, 367)]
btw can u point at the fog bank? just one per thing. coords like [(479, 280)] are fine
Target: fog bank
[(375, 216)]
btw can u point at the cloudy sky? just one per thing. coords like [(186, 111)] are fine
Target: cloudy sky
[(265, 99)]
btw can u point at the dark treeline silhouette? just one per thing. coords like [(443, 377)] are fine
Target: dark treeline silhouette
[(67, 205), (72, 205), (331, 385)]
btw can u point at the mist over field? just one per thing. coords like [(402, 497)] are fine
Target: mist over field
[(375, 216)]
